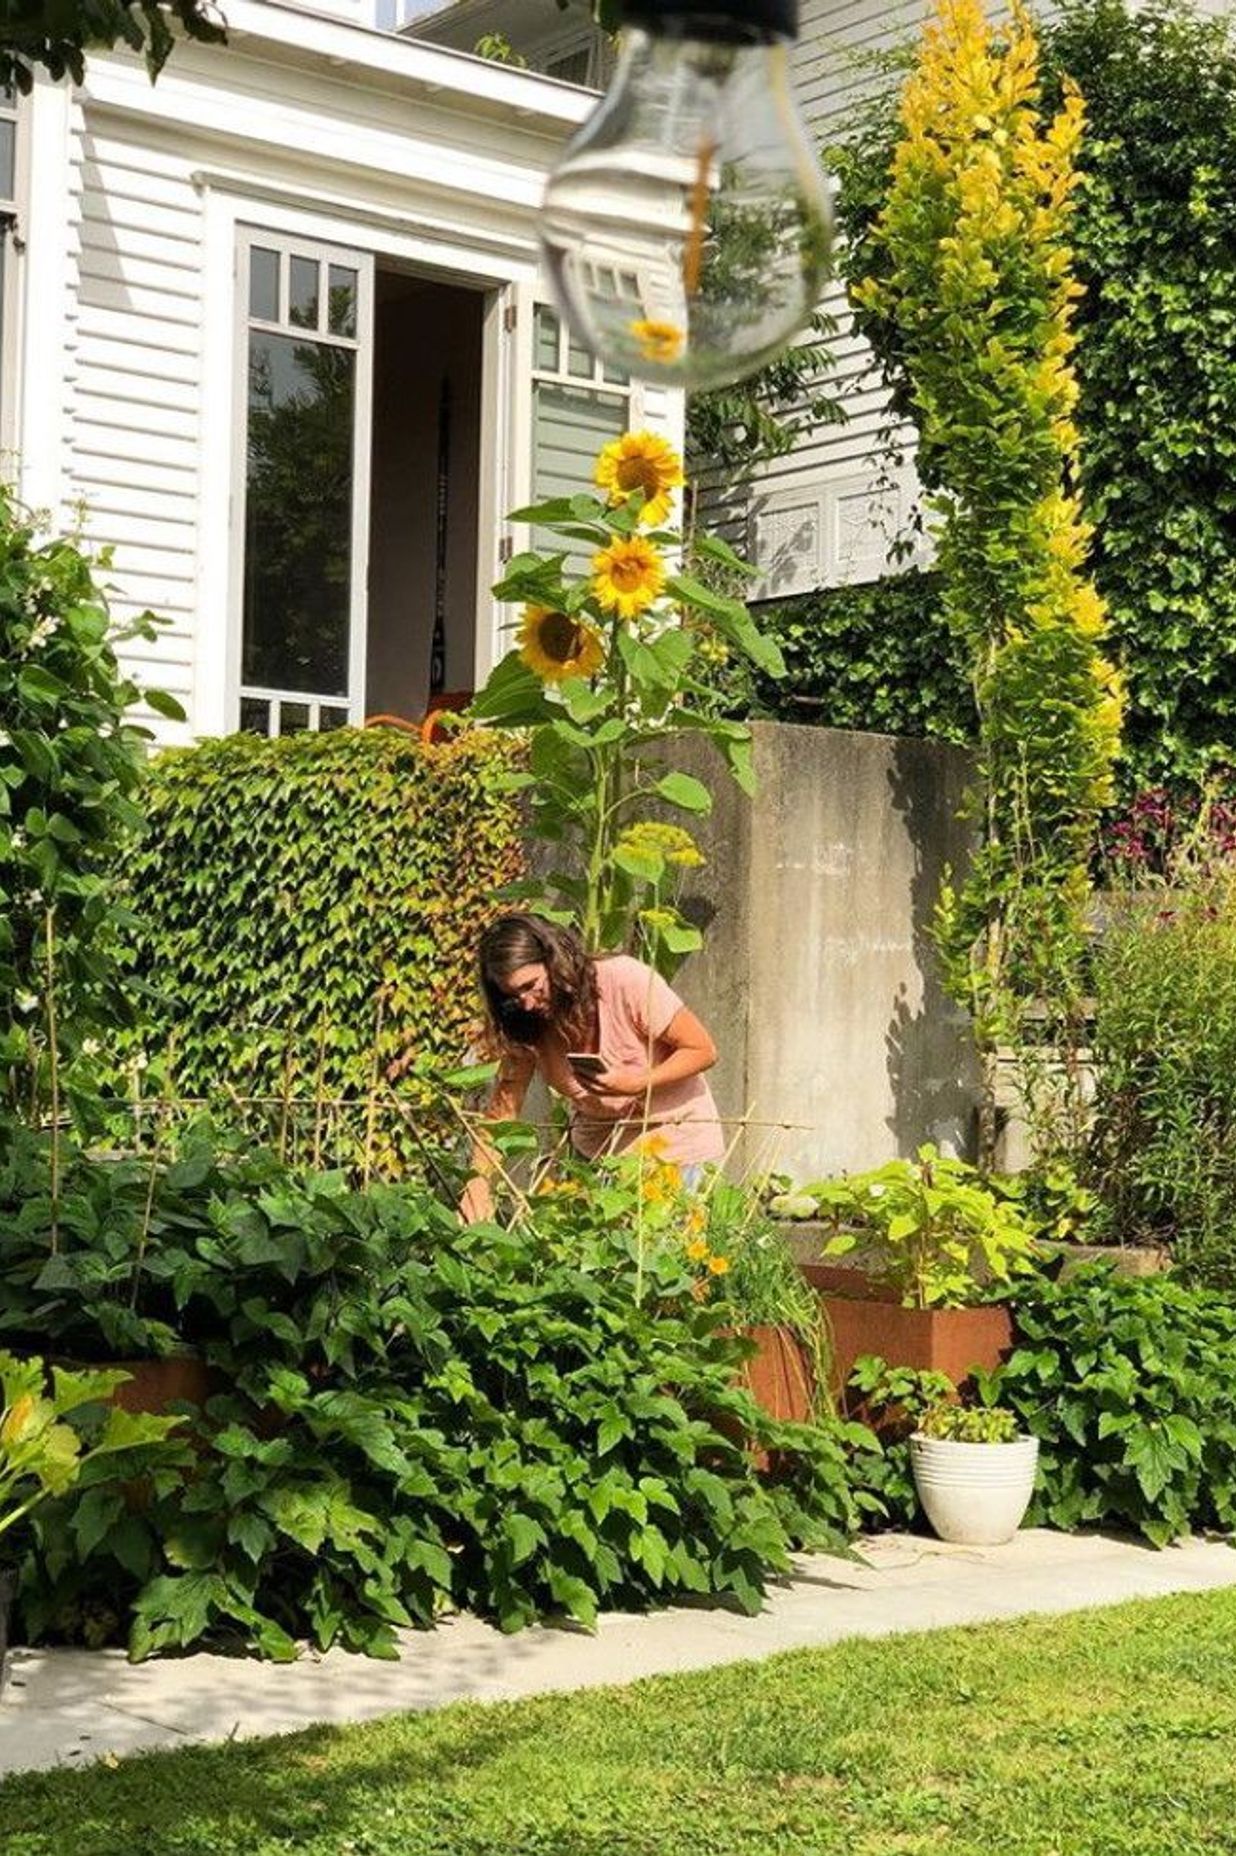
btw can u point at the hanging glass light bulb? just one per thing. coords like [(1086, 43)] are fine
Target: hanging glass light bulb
[(687, 227)]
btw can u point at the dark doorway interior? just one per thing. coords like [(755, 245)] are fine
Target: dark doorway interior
[(425, 478)]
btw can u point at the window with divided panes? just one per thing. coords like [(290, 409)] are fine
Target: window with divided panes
[(578, 406), (306, 311)]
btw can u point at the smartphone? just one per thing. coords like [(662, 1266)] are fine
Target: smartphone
[(586, 1063)]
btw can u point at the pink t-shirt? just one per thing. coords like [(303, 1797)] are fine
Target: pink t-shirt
[(635, 1007)]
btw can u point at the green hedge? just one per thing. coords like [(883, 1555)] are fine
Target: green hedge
[(876, 657), (307, 910)]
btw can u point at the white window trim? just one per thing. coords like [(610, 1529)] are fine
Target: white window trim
[(12, 318)]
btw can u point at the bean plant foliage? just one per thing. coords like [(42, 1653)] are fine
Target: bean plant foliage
[(407, 1414), (1130, 1386), (71, 764)]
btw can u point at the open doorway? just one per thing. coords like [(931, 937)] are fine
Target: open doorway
[(424, 503)]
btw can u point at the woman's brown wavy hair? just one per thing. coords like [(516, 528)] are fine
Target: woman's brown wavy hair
[(515, 941)]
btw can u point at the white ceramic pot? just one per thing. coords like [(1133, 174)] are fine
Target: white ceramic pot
[(974, 1494)]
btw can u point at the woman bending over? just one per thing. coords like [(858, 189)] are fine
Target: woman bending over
[(607, 1033)]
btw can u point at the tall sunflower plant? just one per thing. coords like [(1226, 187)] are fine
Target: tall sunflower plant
[(601, 678)]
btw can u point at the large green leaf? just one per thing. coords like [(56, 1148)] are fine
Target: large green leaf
[(686, 792), (513, 696)]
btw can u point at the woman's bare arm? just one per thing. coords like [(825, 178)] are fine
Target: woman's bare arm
[(506, 1099), (691, 1052)]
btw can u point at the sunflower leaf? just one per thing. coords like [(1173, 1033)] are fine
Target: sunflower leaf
[(602, 737), (714, 548), (582, 702), (555, 509), (685, 792), (513, 696)]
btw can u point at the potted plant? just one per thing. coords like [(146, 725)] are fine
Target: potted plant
[(929, 1241), (774, 1306), (974, 1472), (43, 1454)]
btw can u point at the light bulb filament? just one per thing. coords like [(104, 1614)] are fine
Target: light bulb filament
[(693, 255)]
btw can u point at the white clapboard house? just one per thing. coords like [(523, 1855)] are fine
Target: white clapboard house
[(828, 511), (275, 326)]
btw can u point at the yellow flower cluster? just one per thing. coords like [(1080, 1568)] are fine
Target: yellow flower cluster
[(698, 1252), (671, 842)]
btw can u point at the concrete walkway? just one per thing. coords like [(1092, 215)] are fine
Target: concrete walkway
[(66, 1707)]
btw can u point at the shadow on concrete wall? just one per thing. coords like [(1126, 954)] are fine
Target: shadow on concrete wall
[(926, 1102)]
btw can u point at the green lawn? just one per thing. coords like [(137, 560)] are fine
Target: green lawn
[(1105, 1732)]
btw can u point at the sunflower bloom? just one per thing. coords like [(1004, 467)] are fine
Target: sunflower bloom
[(659, 342), (718, 1266), (627, 577), (641, 461), (557, 646)]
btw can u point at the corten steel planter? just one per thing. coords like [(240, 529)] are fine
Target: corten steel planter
[(780, 1379), (156, 1384), (779, 1376), (944, 1340)]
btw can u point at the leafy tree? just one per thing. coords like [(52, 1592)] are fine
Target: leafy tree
[(732, 429), (57, 34)]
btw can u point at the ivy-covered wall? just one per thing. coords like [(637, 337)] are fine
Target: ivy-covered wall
[(876, 657), (307, 910)]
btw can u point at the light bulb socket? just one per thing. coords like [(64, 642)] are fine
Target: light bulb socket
[(726, 22)]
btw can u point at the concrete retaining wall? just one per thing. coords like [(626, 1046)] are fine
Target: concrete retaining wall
[(818, 978)]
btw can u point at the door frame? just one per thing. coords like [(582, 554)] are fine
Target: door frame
[(503, 269)]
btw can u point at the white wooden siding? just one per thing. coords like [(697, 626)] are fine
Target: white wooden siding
[(134, 387), (803, 522), (316, 130)]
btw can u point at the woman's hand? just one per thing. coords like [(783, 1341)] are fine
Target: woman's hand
[(477, 1203), (619, 1083)]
